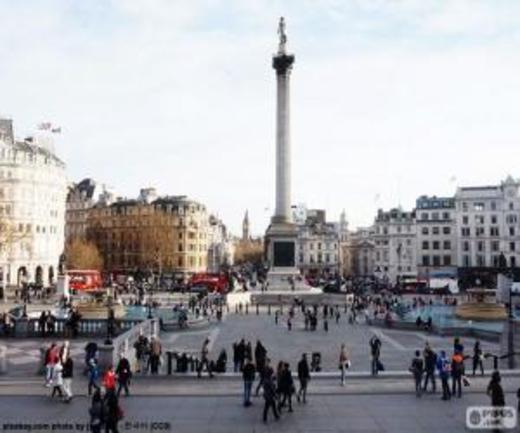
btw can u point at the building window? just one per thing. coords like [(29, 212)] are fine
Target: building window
[(435, 245), (466, 261), (465, 246), (424, 216), (480, 246), (493, 231), (479, 219), (446, 260), (511, 246), (435, 216), (446, 230), (435, 230), (464, 206), (465, 219), (479, 231), (445, 215), (511, 231), (446, 245), (511, 219), (426, 260), (465, 231), (495, 246), (478, 207), (493, 205), (512, 261), (424, 230), (319, 247), (311, 246), (436, 261), (180, 248), (493, 219), (511, 206), (481, 260), (425, 245)]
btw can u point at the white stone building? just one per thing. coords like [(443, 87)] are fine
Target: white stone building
[(488, 224), (436, 236), (395, 239), (361, 257), (32, 209), (221, 249), (318, 245)]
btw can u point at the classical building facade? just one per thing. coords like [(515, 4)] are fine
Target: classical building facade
[(165, 234), (32, 209), (361, 253), (395, 245), (318, 245), (436, 236), (488, 224), (81, 197)]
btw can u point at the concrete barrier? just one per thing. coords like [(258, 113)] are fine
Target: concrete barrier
[(3, 359)]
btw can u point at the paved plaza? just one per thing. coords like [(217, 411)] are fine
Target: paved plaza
[(282, 344), (327, 414)]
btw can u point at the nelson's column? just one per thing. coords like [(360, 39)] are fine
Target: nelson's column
[(282, 234)]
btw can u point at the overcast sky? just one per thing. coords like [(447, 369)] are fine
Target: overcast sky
[(391, 99)]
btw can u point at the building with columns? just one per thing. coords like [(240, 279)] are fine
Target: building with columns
[(361, 256), (33, 190)]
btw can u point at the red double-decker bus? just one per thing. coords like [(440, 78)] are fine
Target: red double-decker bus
[(85, 281), (214, 282)]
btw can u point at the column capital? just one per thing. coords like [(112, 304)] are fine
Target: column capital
[(282, 63)]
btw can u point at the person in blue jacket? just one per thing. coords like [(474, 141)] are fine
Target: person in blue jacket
[(444, 367)]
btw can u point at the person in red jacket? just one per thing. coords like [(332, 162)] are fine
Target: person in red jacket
[(109, 379)]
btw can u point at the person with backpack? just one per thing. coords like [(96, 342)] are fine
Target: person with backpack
[(124, 374), (444, 368), (303, 377), (430, 360), (417, 369), (457, 371), (97, 413)]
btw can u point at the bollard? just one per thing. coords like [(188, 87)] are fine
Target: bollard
[(170, 356), (269, 309), (257, 309)]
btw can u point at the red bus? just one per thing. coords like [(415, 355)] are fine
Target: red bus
[(214, 282), (85, 281)]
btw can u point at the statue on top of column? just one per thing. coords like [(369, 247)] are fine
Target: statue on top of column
[(282, 35)]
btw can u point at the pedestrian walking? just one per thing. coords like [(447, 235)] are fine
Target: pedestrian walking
[(326, 324), (204, 361), (444, 368), (93, 375), (124, 374), (57, 380), (457, 371), (97, 413), (289, 323), (142, 351), (68, 373), (109, 379), (496, 393), (478, 358), (248, 375), (430, 361), (344, 362), (375, 351), (417, 368), (269, 395), (51, 358), (303, 377), (261, 374), (286, 388), (113, 412), (155, 355)]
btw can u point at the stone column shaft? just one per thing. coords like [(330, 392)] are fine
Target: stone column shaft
[(283, 149)]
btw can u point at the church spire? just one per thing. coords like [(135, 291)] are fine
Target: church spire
[(246, 234)]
